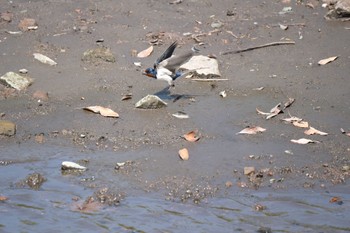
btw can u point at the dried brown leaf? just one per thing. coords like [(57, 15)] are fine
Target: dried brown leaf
[(301, 124), (252, 130), (146, 52), (292, 119), (276, 108), (312, 131), (127, 97), (107, 112), (261, 112), (289, 103), (303, 141), (273, 114), (191, 136), (183, 153), (3, 198), (327, 60)]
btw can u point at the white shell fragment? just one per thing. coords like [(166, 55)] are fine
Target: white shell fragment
[(223, 94), (66, 165), (44, 59)]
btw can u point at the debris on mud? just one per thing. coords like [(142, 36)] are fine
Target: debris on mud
[(67, 165), (6, 16), (3, 198), (303, 141), (191, 136), (7, 128), (223, 94), (183, 153), (34, 181), (339, 11), (327, 60), (150, 102), (98, 55), (180, 115), (185, 189), (16, 81), (126, 97), (27, 24), (252, 130), (44, 59), (249, 170), (41, 95), (103, 111), (312, 131), (146, 52), (202, 67)]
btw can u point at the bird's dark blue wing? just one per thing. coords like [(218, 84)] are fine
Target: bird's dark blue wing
[(168, 52)]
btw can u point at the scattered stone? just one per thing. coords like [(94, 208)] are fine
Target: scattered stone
[(16, 81), (150, 102), (98, 55), (6, 16), (228, 184), (27, 24), (216, 24), (41, 95), (202, 67), (249, 170), (66, 165), (44, 59), (23, 71), (341, 11), (180, 115), (7, 128), (35, 180)]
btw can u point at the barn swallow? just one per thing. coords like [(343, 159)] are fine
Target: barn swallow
[(167, 65)]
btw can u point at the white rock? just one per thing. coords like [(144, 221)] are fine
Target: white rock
[(67, 165), (44, 59), (16, 81), (202, 66), (150, 102)]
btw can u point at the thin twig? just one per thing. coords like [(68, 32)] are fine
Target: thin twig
[(209, 79), (290, 24), (259, 47)]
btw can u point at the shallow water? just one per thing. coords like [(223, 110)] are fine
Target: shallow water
[(51, 208)]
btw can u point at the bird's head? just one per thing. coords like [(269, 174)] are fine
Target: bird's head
[(150, 72)]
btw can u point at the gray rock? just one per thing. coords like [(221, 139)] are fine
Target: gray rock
[(150, 102), (16, 81), (98, 55), (7, 128), (341, 11), (202, 66)]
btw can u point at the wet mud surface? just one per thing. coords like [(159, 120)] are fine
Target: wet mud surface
[(135, 181)]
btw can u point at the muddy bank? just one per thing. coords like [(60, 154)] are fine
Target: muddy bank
[(133, 162)]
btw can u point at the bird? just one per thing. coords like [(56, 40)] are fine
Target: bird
[(166, 66)]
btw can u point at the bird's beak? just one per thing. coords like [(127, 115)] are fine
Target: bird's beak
[(148, 74)]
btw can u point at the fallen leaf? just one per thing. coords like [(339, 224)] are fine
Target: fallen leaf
[(44, 59), (273, 114), (102, 110), (39, 138), (180, 115), (303, 141), (301, 124), (249, 170), (262, 113), (252, 130), (276, 108), (146, 52), (289, 103), (337, 200), (292, 119), (183, 153), (27, 24), (327, 60), (312, 131), (127, 97), (3, 198), (258, 89), (191, 136)]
